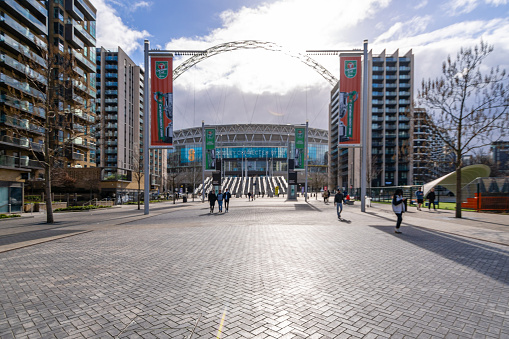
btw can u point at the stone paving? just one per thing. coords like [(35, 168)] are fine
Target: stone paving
[(267, 269)]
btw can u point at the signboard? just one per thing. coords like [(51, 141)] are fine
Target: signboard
[(210, 147), (292, 178), (300, 145), (161, 99), (216, 179), (350, 82), (190, 154)]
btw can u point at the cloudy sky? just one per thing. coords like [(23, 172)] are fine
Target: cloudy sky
[(258, 86)]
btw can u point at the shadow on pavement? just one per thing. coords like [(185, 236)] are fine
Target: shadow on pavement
[(34, 235), (479, 256)]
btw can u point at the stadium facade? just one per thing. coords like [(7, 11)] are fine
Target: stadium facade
[(263, 147)]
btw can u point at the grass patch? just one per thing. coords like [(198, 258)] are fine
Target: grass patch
[(7, 216), (80, 208)]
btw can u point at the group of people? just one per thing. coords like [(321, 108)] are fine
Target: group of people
[(220, 198), (419, 195)]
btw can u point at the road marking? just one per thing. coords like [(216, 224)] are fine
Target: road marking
[(220, 329)]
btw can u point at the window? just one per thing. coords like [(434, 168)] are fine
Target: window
[(58, 28), (58, 13)]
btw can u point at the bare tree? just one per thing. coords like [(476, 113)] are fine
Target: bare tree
[(469, 107), (50, 78), (137, 167)]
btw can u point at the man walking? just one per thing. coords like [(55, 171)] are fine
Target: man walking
[(419, 195), (212, 200), (220, 197), (339, 198), (431, 199), (227, 197)]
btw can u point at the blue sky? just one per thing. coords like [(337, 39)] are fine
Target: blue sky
[(266, 87)]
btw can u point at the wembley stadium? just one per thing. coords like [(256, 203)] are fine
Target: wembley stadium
[(250, 156)]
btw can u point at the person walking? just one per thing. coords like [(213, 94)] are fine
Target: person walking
[(431, 199), (419, 195), (339, 198), (398, 206), (212, 200), (325, 196), (220, 199), (227, 197)]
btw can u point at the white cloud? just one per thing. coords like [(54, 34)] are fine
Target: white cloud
[(421, 4), (112, 32), (404, 29), (457, 7)]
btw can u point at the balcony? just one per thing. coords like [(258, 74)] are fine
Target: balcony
[(404, 94), (376, 94), (390, 94), (391, 77), (70, 37), (41, 11), (111, 84), (403, 126), (83, 62), (23, 69), (21, 124), (6, 140), (378, 69), (390, 127), (111, 75), (88, 39), (404, 69), (20, 31), (73, 11), (404, 135), (25, 16), (391, 69), (404, 102), (22, 105), (391, 102), (15, 162), (111, 109), (86, 9), (111, 101), (378, 86), (76, 156), (111, 92), (404, 77), (111, 117), (21, 49)]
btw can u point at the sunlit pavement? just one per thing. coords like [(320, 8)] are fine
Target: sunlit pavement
[(266, 269)]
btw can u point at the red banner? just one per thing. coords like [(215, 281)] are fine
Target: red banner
[(350, 82), (161, 101)]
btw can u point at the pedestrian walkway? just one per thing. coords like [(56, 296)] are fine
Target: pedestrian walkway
[(492, 227), (267, 269)]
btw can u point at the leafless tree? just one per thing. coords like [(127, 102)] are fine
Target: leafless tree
[(137, 168), (469, 106), (49, 75)]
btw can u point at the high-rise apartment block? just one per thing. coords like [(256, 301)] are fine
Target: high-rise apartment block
[(28, 28), (432, 157), (390, 112), (120, 105)]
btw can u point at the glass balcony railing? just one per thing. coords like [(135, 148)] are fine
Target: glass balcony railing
[(22, 49), (111, 92), (21, 30), (7, 60), (22, 105), (89, 39), (37, 6), (89, 13), (90, 67), (21, 86), (30, 20)]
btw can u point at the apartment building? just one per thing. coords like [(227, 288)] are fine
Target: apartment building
[(120, 106), (27, 29), (390, 144), (432, 158), (72, 29)]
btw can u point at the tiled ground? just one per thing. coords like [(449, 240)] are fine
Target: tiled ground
[(264, 270)]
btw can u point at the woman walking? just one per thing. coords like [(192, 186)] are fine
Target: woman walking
[(398, 206)]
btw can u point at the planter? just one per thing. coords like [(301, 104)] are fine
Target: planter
[(41, 207)]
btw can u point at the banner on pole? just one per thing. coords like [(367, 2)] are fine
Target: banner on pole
[(210, 147), (161, 113), (300, 146), (350, 82)]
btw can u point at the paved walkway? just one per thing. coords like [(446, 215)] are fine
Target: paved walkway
[(267, 269)]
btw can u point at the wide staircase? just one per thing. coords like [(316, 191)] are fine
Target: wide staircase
[(241, 186)]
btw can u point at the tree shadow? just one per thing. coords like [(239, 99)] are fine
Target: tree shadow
[(487, 259)]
